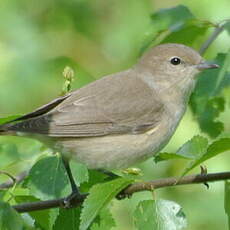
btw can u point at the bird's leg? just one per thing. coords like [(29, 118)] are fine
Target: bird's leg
[(75, 190)]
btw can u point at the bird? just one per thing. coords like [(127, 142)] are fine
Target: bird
[(122, 118)]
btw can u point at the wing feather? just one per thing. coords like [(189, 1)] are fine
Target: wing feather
[(117, 104)]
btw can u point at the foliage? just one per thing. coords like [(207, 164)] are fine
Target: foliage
[(207, 101), (112, 36), (99, 196), (159, 214), (9, 218)]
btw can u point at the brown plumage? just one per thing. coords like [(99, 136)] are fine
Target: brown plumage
[(97, 123)]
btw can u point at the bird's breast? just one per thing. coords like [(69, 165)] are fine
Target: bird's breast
[(119, 151)]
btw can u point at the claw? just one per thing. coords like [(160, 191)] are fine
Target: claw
[(73, 199)]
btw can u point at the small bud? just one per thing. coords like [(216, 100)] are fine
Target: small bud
[(132, 171), (68, 74)]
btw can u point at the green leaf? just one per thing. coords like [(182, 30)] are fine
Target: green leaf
[(9, 218), (68, 219), (159, 215), (95, 177), (198, 150), (172, 18), (164, 156), (207, 101), (106, 221), (8, 154), (227, 26), (216, 147), (2, 194), (194, 147), (80, 172), (28, 221), (227, 201), (53, 215), (190, 150), (47, 179), (191, 31), (99, 196), (44, 219), (166, 21)]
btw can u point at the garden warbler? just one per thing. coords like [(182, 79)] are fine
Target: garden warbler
[(122, 118)]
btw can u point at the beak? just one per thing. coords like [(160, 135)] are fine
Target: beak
[(206, 65)]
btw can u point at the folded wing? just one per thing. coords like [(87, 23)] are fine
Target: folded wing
[(117, 104)]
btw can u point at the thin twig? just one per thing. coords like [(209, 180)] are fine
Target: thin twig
[(17, 179), (12, 178), (212, 38), (174, 181), (133, 188)]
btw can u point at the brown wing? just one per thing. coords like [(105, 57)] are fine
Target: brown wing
[(116, 104)]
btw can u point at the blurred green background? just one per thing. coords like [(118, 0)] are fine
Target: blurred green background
[(39, 38)]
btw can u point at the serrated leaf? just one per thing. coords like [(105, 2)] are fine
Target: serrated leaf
[(227, 201), (47, 179), (44, 219), (159, 215), (9, 218), (99, 196), (216, 147), (207, 101), (68, 219), (190, 150), (194, 147), (106, 221)]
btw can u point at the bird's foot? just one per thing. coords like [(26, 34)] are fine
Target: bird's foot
[(73, 199), (122, 195)]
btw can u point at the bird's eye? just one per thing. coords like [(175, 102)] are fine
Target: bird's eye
[(175, 61)]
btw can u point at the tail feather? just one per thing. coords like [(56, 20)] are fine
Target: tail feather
[(4, 130)]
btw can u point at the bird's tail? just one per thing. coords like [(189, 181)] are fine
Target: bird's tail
[(4, 130)]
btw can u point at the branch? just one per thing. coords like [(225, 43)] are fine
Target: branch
[(212, 38), (174, 181), (127, 192), (15, 180), (47, 204)]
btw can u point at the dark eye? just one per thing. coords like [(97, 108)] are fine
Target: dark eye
[(175, 61)]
